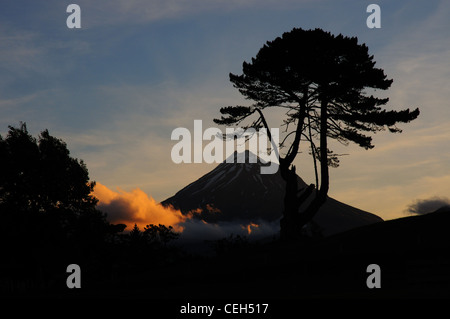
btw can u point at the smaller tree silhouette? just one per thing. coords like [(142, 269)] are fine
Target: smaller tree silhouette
[(160, 234), (232, 243), (135, 234)]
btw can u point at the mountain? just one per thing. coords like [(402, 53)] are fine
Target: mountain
[(239, 192)]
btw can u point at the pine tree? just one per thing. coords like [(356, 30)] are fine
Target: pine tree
[(321, 82)]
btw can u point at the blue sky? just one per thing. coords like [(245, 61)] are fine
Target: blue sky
[(116, 88)]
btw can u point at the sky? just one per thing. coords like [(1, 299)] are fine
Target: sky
[(116, 88)]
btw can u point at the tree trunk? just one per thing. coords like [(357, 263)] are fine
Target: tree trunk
[(287, 223), (292, 222), (321, 197)]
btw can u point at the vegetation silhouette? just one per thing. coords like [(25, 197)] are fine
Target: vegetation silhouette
[(232, 243), (322, 82), (49, 219), (160, 234), (48, 215)]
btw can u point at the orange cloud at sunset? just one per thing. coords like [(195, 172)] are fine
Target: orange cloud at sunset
[(136, 207)]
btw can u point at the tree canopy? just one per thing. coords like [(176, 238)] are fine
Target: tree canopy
[(40, 176)]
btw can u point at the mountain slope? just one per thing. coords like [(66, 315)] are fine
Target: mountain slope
[(238, 191)]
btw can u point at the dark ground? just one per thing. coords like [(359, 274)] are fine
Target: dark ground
[(412, 252), (322, 276)]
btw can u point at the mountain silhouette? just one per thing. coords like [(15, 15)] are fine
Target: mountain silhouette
[(239, 192)]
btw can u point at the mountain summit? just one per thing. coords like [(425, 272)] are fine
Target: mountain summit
[(239, 192)]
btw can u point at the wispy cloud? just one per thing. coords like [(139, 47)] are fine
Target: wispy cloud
[(425, 206), (24, 52), (113, 12)]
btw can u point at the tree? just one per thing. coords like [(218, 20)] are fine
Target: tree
[(160, 234), (136, 236), (49, 216), (322, 82), (40, 176)]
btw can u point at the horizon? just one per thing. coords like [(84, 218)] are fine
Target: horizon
[(115, 89)]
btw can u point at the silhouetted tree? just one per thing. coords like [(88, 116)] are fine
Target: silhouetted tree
[(135, 234), (160, 234), (232, 243), (323, 84), (48, 213), (166, 234), (40, 176)]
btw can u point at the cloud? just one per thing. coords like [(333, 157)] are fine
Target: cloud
[(113, 12), (26, 53), (425, 206), (136, 207), (195, 230)]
